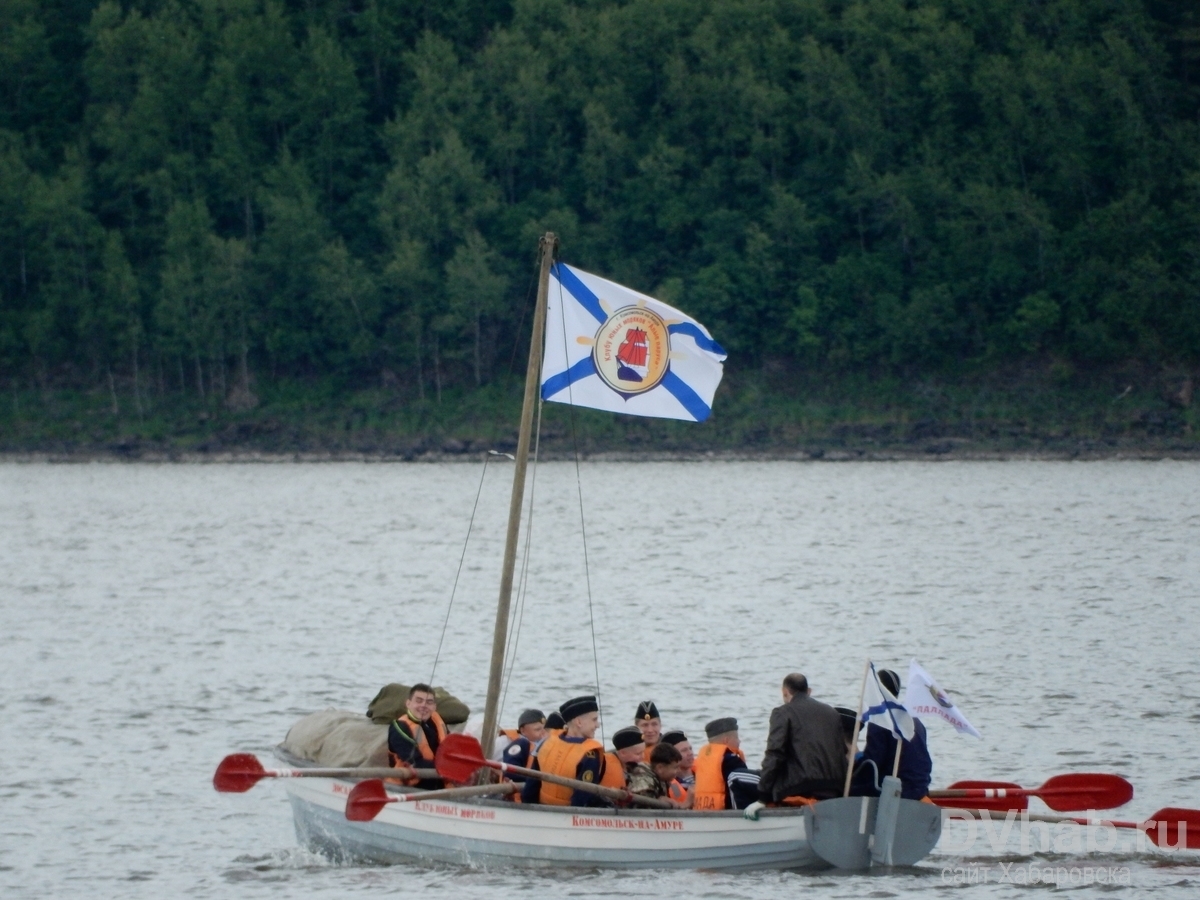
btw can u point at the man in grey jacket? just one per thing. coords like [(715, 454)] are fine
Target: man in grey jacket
[(806, 748)]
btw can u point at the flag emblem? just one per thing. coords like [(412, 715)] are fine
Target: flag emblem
[(921, 686), (610, 347), (632, 350)]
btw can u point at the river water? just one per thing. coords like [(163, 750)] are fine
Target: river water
[(155, 617)]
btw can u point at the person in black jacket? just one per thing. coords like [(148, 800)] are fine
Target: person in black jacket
[(806, 747)]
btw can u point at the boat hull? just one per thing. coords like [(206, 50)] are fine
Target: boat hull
[(490, 833)]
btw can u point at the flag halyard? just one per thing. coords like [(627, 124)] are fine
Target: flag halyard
[(609, 347)]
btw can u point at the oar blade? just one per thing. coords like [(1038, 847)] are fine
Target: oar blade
[(366, 800), (1085, 790), (994, 796), (1175, 828), (459, 757), (237, 773)]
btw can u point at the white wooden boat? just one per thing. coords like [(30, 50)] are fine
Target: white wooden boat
[(482, 832), (496, 833)]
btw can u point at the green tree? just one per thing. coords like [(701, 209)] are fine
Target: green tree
[(249, 99), (330, 125), (120, 311), (145, 78), (187, 318), (63, 259), (475, 293)]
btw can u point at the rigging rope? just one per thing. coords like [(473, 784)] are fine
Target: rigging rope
[(437, 656), (587, 574), (514, 633)]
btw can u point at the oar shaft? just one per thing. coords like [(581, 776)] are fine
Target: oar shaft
[(950, 794), (1040, 817), (347, 772), (478, 790), (1011, 792), (575, 784)]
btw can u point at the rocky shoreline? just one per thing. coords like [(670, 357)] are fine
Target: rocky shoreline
[(933, 453), (1017, 415)]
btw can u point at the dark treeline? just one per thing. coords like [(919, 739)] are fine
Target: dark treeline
[(195, 194)]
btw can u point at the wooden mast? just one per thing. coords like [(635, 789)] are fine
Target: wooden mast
[(491, 712)]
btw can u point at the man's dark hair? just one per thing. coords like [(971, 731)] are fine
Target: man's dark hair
[(664, 755), (796, 683), (421, 686)]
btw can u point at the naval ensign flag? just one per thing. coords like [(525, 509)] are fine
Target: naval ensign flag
[(609, 347)]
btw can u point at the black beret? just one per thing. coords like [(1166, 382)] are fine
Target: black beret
[(673, 738), (646, 710), (578, 706), (720, 726), (849, 717), (529, 717), (627, 737), (555, 720)]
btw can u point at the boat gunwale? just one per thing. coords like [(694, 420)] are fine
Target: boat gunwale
[(635, 812)]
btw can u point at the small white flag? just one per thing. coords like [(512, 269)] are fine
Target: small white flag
[(923, 697), (880, 707), (609, 347)]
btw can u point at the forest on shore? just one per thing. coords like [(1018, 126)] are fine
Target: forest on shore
[(312, 224)]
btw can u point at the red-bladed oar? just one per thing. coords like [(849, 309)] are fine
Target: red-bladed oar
[(239, 772), (368, 798), (459, 756), (1173, 827), (1062, 793)]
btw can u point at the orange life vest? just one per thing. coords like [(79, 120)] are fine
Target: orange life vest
[(677, 791), (614, 771), (418, 735), (559, 756), (709, 789), (798, 801), (512, 734), (646, 753), (550, 733)]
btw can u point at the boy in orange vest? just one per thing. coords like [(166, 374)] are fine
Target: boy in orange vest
[(723, 780), (625, 758), (573, 753), (414, 737), (657, 779), (531, 728), (649, 724)]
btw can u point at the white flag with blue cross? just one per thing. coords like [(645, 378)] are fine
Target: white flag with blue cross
[(609, 347), (881, 707)]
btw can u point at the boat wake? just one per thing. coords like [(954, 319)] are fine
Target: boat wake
[(271, 866)]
